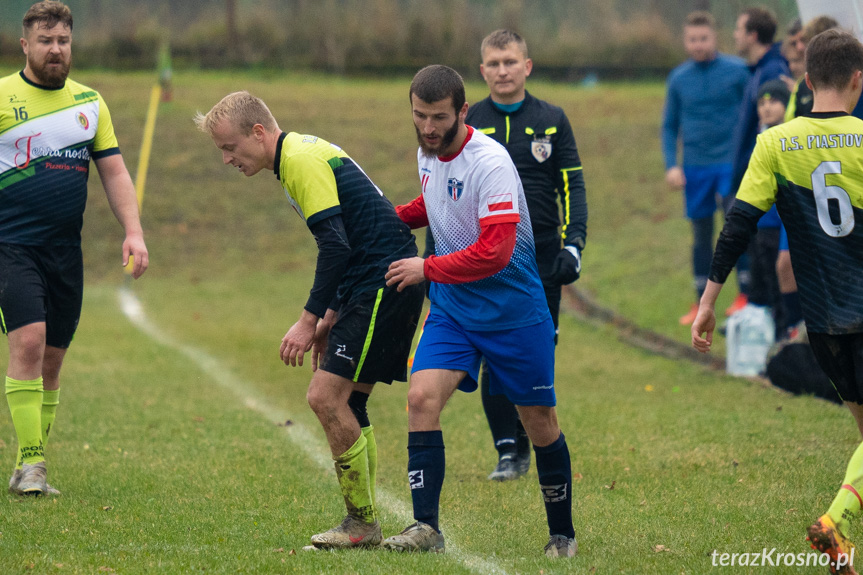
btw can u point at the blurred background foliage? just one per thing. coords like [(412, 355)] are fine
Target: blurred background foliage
[(572, 39)]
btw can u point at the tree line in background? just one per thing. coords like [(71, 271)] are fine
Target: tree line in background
[(567, 38)]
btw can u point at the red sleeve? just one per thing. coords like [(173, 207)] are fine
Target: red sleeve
[(414, 214), (490, 254)]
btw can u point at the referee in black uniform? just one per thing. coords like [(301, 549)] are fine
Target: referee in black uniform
[(539, 139)]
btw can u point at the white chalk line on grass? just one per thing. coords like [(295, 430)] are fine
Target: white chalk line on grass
[(299, 435)]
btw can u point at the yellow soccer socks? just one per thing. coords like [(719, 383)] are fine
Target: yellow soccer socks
[(847, 504), (25, 405), (352, 469), (50, 401), (372, 453)]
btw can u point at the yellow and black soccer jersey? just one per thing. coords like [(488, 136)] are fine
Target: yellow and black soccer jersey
[(47, 138), (321, 181), (812, 168)]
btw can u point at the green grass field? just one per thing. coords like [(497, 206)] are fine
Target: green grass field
[(183, 445)]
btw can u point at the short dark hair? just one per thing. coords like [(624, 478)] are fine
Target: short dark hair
[(816, 26), (700, 18), (794, 27), (763, 22), (832, 57), (436, 82), (47, 13)]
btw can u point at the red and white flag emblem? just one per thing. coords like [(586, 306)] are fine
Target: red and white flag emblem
[(500, 202)]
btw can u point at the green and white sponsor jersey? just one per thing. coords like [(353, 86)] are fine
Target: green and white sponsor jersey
[(47, 139)]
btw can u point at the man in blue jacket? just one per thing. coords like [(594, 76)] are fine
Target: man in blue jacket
[(703, 97), (753, 36)]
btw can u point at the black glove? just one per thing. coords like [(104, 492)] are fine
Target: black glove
[(567, 265)]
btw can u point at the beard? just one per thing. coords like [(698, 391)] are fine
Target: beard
[(51, 77), (447, 139)]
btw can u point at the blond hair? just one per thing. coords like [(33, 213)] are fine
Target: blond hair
[(500, 39), (239, 108)]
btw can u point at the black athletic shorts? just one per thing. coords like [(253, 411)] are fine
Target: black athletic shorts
[(841, 358), (42, 284), (372, 337)]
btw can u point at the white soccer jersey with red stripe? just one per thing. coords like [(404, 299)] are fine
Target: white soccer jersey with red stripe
[(481, 184)]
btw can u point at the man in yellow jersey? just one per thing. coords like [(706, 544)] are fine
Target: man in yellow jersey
[(812, 168), (359, 330), (50, 129)]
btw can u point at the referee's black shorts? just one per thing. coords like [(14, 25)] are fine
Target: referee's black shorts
[(841, 358), (42, 284), (371, 339)]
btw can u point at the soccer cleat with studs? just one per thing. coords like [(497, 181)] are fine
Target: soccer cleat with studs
[(32, 480), (417, 537), (350, 533), (16, 479), (824, 536), (507, 469), (561, 546)]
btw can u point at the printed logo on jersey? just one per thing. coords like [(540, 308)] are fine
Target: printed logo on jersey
[(541, 149), (553, 493), (83, 121), (454, 188), (500, 202), (22, 147), (13, 99), (415, 479), (310, 139)]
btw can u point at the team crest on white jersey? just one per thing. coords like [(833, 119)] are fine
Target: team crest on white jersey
[(454, 188), (541, 150)]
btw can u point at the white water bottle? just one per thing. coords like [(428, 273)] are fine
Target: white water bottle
[(749, 336)]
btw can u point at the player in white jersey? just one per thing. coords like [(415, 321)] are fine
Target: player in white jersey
[(487, 302)]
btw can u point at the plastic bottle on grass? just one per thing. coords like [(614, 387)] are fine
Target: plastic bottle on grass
[(748, 339)]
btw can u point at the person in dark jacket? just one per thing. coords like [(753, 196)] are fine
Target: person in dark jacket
[(753, 36)]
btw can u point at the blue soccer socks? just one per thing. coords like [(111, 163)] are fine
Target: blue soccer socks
[(555, 481), (426, 463)]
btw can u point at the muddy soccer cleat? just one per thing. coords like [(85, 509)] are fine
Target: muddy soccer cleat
[(561, 546), (824, 536), (417, 537), (350, 533), (33, 479), (14, 481)]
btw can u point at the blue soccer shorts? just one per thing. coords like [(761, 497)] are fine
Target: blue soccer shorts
[(520, 361), (703, 184), (783, 239)]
